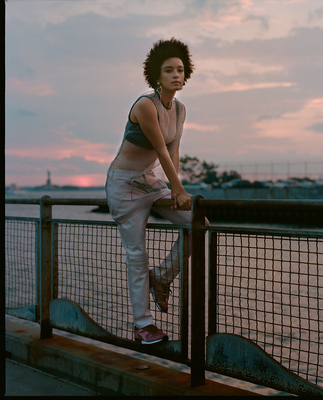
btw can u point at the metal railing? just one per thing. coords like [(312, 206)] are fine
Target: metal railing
[(263, 289), (82, 275), (22, 264)]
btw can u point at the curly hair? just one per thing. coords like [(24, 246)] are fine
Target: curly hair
[(161, 51)]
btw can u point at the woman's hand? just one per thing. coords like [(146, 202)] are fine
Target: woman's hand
[(182, 201)]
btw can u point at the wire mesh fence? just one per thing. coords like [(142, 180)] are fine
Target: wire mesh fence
[(268, 285), (163, 246), (21, 250), (92, 272), (269, 290)]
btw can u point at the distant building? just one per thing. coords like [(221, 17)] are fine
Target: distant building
[(48, 179), (48, 185)]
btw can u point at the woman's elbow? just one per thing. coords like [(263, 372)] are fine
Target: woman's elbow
[(162, 152)]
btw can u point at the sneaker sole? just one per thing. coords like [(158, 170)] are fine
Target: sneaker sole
[(144, 342)]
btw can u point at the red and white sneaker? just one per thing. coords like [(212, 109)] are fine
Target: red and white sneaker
[(149, 335)]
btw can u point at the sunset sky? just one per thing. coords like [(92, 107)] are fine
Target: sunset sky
[(74, 68)]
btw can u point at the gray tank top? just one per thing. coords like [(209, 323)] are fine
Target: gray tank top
[(171, 125), (133, 132)]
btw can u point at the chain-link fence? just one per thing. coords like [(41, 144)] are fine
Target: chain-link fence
[(264, 283), (269, 290), (92, 272), (21, 262)]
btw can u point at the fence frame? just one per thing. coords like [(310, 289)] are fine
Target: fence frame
[(32, 312), (296, 210), (179, 352)]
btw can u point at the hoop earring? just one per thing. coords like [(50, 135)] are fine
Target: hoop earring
[(159, 88)]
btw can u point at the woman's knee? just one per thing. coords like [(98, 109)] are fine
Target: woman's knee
[(137, 259)]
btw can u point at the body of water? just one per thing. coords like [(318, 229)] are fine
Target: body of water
[(61, 212)]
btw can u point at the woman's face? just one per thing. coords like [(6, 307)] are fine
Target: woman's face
[(172, 74)]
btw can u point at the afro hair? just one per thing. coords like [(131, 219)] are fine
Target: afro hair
[(161, 51)]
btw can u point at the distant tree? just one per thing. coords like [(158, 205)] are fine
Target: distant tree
[(190, 169), (209, 174), (193, 170), (229, 176)]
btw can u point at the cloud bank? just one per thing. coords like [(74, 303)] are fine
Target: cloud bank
[(74, 68)]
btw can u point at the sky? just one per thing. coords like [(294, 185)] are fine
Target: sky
[(74, 68)]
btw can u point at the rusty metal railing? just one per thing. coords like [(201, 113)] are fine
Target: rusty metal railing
[(83, 278), (263, 259), (265, 303)]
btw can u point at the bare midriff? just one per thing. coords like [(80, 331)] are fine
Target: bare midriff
[(132, 157)]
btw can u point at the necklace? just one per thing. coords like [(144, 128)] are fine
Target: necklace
[(167, 108)]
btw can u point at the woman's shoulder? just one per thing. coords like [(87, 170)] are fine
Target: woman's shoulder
[(179, 103), (147, 98), (145, 105), (181, 110), (146, 101), (150, 98), (151, 94)]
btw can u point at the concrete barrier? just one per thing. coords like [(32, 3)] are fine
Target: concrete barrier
[(102, 370)]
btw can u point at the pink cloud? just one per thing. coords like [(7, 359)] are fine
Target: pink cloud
[(238, 86), (65, 148), (214, 86), (30, 88), (74, 147), (201, 128), (294, 128)]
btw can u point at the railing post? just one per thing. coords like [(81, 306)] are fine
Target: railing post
[(37, 266), (54, 261), (198, 295), (45, 268), (212, 281), (185, 247)]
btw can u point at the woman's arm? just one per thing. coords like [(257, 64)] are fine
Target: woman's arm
[(175, 155), (175, 159), (145, 113)]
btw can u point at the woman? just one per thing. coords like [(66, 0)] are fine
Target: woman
[(152, 137)]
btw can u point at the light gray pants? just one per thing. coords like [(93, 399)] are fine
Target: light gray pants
[(130, 195)]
